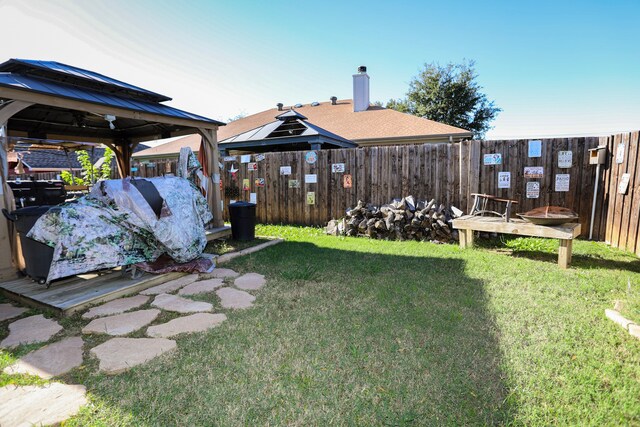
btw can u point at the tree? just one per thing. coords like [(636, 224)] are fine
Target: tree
[(449, 94), (90, 173)]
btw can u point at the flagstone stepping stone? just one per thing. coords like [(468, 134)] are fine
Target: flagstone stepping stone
[(51, 360), (8, 311), (32, 329), (171, 286), (180, 305), (121, 324), (198, 322), (120, 354), (220, 273), (40, 405), (250, 282), (201, 287), (233, 298), (116, 306)]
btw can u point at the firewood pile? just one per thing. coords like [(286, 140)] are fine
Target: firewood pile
[(404, 219)]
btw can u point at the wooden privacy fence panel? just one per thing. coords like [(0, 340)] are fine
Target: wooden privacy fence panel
[(623, 210), (478, 177)]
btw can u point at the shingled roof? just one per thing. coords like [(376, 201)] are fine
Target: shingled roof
[(374, 123)]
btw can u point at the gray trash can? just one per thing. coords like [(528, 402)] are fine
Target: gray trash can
[(243, 220)]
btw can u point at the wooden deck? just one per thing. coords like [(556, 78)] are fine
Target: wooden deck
[(78, 292), (218, 233)]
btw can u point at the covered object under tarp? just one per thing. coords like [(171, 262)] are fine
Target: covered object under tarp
[(115, 225)]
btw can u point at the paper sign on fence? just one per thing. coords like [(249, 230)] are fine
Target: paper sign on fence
[(504, 179), (562, 182)]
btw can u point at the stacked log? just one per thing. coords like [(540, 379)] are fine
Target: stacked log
[(403, 219)]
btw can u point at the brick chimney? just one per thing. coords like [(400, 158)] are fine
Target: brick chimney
[(361, 90)]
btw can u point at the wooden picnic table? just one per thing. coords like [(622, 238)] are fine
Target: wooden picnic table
[(565, 232)]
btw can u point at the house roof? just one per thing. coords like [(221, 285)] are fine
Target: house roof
[(374, 123), (57, 159), (171, 147)]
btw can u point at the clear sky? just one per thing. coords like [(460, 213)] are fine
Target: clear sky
[(554, 67)]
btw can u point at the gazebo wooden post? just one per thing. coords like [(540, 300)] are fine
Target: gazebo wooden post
[(7, 269), (123, 150), (213, 186)]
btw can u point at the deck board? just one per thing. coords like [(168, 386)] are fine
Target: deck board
[(76, 293)]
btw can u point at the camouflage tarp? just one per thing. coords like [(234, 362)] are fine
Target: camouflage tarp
[(115, 226)]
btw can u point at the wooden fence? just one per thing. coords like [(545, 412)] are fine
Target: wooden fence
[(619, 219), (449, 173)]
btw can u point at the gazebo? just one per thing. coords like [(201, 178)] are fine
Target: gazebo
[(51, 101)]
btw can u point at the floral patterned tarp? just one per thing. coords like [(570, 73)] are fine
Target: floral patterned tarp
[(115, 226)]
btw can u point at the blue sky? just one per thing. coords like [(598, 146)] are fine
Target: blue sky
[(554, 67)]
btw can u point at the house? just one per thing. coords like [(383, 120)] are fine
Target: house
[(34, 161), (332, 124)]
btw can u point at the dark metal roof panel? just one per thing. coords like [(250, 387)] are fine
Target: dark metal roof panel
[(58, 89), (64, 69)]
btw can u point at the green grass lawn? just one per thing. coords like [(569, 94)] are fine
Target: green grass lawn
[(354, 331)]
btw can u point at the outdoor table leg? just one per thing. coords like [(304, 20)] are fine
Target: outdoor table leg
[(564, 253)]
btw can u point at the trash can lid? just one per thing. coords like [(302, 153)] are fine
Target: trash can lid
[(242, 204)]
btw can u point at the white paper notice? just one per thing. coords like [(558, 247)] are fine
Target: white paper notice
[(565, 159), (504, 179), (620, 153), (337, 167), (285, 170), (562, 182), (535, 148), (245, 158), (533, 190), (311, 179), (253, 197)]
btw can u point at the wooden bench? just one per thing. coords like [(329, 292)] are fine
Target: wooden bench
[(565, 232)]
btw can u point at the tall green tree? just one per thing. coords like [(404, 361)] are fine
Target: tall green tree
[(449, 94)]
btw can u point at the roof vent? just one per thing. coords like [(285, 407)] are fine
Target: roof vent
[(362, 69), (334, 100), (315, 103), (280, 105), (298, 106)]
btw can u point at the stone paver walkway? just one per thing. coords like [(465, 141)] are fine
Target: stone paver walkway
[(180, 305), (55, 402), (51, 360), (121, 324), (233, 298), (119, 354), (32, 329), (220, 273), (198, 322), (201, 287), (116, 306), (8, 311), (39, 405), (250, 282), (171, 286)]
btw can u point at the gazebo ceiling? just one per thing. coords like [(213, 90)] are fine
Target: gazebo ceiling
[(39, 120)]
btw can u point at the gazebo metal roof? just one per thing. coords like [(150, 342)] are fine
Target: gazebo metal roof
[(289, 131)]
